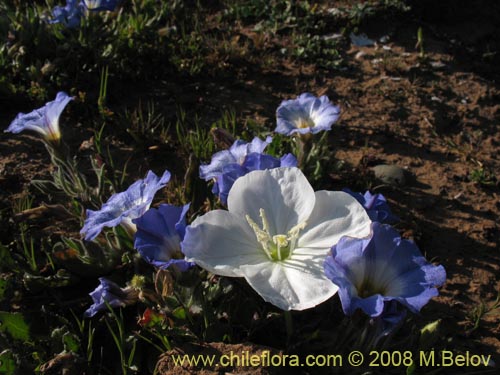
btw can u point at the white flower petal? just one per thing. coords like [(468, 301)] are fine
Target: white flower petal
[(335, 214), (284, 193), (222, 243), (295, 284)]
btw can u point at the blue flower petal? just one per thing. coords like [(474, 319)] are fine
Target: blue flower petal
[(108, 292), (219, 160), (374, 272), (129, 204), (99, 5), (372, 306), (68, 15), (288, 160), (375, 205), (306, 114), (158, 236), (228, 165), (235, 155), (43, 120), (225, 181), (259, 162)]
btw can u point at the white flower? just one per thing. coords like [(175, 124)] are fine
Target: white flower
[(276, 234)]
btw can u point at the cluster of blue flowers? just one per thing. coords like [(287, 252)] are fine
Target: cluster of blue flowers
[(70, 15), (378, 273), (241, 158)]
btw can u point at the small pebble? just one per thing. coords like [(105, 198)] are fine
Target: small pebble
[(360, 55), (361, 40), (390, 174), (384, 39), (437, 64)]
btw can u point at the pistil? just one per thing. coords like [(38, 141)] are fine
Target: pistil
[(277, 247)]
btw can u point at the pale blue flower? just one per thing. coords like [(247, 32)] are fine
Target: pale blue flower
[(371, 272), (235, 155), (306, 114), (99, 5), (110, 293), (43, 120), (68, 15), (375, 205), (228, 165), (159, 234), (122, 207)]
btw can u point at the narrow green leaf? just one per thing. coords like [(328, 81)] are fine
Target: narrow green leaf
[(429, 335)]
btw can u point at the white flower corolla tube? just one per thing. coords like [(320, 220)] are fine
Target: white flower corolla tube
[(276, 234)]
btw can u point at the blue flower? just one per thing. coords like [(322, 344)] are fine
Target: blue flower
[(235, 155), (306, 114), (68, 15), (375, 205), (98, 5), (371, 272), (228, 165), (109, 292), (159, 234), (43, 120), (122, 207)]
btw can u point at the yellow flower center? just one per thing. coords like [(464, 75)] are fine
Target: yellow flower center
[(304, 123), (277, 247)]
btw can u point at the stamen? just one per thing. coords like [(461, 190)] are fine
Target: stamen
[(265, 223), (293, 234), (305, 123), (263, 237), (280, 246)]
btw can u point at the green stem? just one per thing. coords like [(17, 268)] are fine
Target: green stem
[(68, 177), (303, 144)]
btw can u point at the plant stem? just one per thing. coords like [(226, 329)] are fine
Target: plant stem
[(303, 147)]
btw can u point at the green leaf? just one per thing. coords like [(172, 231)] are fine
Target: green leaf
[(14, 324), (179, 313), (71, 342), (410, 370), (7, 363)]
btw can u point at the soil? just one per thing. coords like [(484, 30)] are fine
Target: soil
[(167, 366), (435, 116)]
